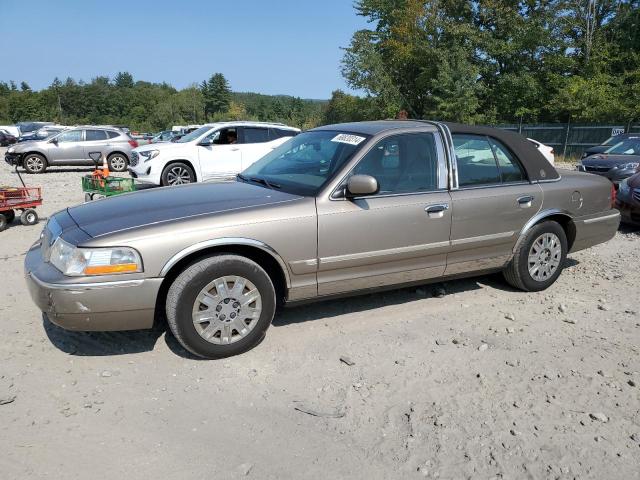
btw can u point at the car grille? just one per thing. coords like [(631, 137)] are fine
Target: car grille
[(636, 195), (596, 168), (133, 161)]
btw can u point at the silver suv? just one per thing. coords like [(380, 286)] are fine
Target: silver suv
[(72, 147)]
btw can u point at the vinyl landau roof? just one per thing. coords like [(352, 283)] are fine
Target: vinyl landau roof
[(537, 167)]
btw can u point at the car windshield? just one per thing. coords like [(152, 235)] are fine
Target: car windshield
[(626, 147), (195, 134), (303, 164)]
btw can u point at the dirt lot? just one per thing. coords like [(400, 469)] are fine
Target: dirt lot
[(484, 382)]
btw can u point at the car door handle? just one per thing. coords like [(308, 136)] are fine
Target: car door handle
[(235, 149), (525, 202), (436, 211)]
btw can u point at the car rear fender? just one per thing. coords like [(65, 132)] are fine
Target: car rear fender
[(560, 216)]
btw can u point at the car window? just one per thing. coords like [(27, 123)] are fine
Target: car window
[(304, 163), (510, 168), (275, 133), (70, 136), (626, 147), (402, 163), (255, 135), (93, 135), (112, 134), (476, 162)]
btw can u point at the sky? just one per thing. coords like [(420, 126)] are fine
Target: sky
[(266, 46)]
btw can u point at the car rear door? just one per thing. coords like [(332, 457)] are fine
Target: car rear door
[(256, 143), (67, 149), (493, 202), (399, 235), (95, 141)]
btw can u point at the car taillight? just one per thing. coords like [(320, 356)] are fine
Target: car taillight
[(613, 195), (133, 144)]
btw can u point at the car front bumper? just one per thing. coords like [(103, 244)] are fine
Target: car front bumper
[(12, 158), (616, 175), (95, 305)]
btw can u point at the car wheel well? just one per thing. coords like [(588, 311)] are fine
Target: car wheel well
[(118, 153), (26, 154), (262, 258), (567, 225)]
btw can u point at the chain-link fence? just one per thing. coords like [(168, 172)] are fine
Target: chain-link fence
[(570, 140)]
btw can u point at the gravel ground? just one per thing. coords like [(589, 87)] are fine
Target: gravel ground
[(481, 382)]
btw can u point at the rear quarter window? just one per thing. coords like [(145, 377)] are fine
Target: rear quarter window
[(111, 134)]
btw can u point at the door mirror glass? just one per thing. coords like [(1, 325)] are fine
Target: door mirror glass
[(206, 142), (362, 185)]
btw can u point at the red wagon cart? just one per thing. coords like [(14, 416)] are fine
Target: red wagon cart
[(22, 199)]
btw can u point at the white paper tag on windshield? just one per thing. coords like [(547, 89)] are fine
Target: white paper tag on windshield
[(350, 139)]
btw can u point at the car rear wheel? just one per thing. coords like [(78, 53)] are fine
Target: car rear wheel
[(117, 162), (34, 163), (539, 258), (177, 174), (221, 306)]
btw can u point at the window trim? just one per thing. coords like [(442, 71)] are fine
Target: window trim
[(502, 183), (442, 169)]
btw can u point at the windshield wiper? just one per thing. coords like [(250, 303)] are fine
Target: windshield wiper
[(262, 181)]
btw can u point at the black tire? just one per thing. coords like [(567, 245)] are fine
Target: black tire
[(29, 217), (175, 171), (182, 295), (3, 222), (118, 162), (34, 163), (88, 197), (9, 215), (517, 272)]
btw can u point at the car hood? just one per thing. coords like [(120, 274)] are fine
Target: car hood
[(28, 144), (138, 209), (604, 159), (162, 146)]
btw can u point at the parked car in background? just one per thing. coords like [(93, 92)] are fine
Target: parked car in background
[(27, 129), (72, 147), (545, 150), (628, 199), (608, 143), (216, 151), (164, 136), (6, 138), (11, 130), (618, 162), (43, 133), (340, 209)]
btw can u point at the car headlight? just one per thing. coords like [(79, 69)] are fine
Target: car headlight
[(629, 166), (11, 149), (149, 154), (624, 187), (74, 261)]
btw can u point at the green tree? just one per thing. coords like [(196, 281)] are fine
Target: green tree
[(217, 95)]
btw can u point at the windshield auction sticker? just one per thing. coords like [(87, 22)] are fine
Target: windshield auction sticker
[(350, 139)]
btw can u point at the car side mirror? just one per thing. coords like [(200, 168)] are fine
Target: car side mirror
[(54, 141), (206, 142), (359, 185)]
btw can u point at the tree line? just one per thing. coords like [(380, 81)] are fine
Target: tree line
[(149, 107), (494, 61), (473, 61)]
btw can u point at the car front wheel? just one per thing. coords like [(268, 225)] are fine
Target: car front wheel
[(221, 306), (177, 174), (34, 163), (539, 258)]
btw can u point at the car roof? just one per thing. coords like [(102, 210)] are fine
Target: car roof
[(537, 167), (251, 123)]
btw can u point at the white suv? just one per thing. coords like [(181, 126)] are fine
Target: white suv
[(217, 151)]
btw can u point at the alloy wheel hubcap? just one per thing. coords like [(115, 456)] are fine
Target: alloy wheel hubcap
[(118, 164), (178, 176), (34, 163), (226, 310), (544, 257)]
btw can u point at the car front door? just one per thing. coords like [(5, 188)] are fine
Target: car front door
[(493, 202), (399, 235), (67, 148), (219, 159)]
